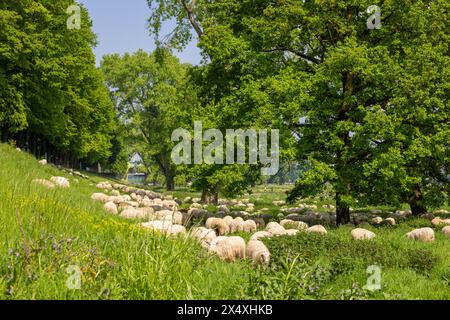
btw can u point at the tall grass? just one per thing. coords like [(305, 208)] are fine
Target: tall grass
[(43, 232)]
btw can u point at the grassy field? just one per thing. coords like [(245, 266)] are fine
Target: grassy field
[(45, 232)]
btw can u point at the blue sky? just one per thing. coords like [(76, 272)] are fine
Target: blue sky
[(120, 26)]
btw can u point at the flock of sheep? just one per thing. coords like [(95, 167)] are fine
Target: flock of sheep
[(161, 215)]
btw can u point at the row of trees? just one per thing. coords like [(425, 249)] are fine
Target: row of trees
[(365, 110), (53, 100)]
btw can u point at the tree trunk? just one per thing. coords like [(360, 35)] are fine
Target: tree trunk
[(342, 211), (209, 197), (416, 203), (170, 182)]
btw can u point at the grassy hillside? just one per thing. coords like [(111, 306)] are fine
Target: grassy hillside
[(43, 232)]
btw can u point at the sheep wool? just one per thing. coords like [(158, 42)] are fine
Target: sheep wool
[(422, 234), (438, 221), (275, 229), (60, 182), (43, 182), (260, 234), (237, 225), (111, 208), (99, 197), (228, 220), (300, 225), (292, 232), (258, 252), (362, 234), (317, 229), (205, 236), (249, 226), (229, 248), (218, 225), (446, 231)]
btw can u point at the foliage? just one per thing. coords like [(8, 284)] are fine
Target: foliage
[(50, 90), (153, 96)]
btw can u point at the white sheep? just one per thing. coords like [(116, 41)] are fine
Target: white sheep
[(275, 229), (292, 232), (438, 221), (258, 252), (422, 234), (317, 229), (228, 220), (99, 197), (165, 227), (446, 231), (249, 226), (300, 225), (228, 248), (218, 225), (362, 234), (260, 234), (111, 208), (237, 225), (60, 182), (45, 183), (137, 213), (205, 236)]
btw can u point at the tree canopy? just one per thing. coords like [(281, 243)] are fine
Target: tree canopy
[(53, 99), (368, 108)]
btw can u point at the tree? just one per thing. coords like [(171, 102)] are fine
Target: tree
[(154, 97), (354, 99), (54, 101)]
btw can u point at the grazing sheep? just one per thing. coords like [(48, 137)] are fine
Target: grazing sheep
[(237, 225), (60, 182), (260, 234), (249, 226), (43, 182), (292, 232), (115, 199), (99, 197), (362, 234), (104, 185), (300, 225), (390, 221), (170, 204), (258, 252), (157, 225), (228, 220), (218, 225), (133, 213), (228, 248), (43, 162), (175, 230), (317, 229), (446, 231), (205, 236), (126, 197), (376, 220), (422, 234), (111, 208), (115, 193), (166, 227), (438, 221), (162, 214), (275, 229)]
